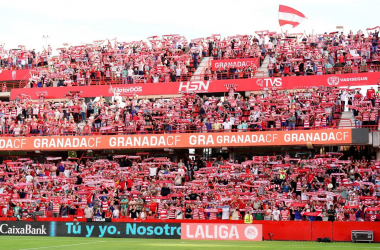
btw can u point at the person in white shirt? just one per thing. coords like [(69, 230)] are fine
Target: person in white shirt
[(29, 178), (35, 110), (67, 172), (304, 196), (225, 213), (113, 70), (156, 78), (272, 59), (88, 212), (261, 41), (255, 170), (57, 114), (152, 171), (16, 130), (178, 72), (343, 97), (19, 110), (130, 76), (232, 119), (178, 214), (115, 212), (143, 214), (276, 214), (227, 125)]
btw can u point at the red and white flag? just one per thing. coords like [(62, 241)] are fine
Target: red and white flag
[(287, 15)]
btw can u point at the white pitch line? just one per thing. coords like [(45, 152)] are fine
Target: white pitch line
[(63, 245), (40, 239)]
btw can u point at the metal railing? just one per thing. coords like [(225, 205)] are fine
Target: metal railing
[(253, 127), (203, 77)]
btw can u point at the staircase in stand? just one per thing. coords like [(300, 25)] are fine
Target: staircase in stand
[(198, 74)]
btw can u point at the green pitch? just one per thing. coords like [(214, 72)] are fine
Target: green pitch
[(35, 243)]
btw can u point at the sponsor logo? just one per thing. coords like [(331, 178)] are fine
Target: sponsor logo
[(157, 230), (221, 232), (333, 80), (269, 82), (212, 232), (260, 82), (353, 79), (194, 87), (238, 64), (128, 230), (251, 232), (14, 74), (27, 229), (112, 90)]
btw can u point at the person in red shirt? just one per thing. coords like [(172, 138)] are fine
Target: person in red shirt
[(341, 60), (153, 207), (89, 199), (108, 214), (80, 211), (86, 130), (122, 184), (286, 70), (241, 206), (371, 95), (129, 183), (34, 126)]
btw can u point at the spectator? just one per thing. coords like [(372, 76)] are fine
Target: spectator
[(331, 213)]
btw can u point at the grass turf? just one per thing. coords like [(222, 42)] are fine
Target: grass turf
[(35, 242)]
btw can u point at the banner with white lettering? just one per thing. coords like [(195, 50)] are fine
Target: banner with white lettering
[(119, 230), (213, 231), (211, 86), (178, 140), (237, 63), (92, 229)]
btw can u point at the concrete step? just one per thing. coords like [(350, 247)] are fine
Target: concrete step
[(263, 68), (201, 68), (347, 120)]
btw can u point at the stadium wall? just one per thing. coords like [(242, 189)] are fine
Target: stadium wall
[(199, 229), (203, 86), (346, 136)]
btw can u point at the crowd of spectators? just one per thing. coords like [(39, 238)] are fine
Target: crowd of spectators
[(365, 111), (167, 59), (173, 58), (301, 54), (322, 187), (315, 108)]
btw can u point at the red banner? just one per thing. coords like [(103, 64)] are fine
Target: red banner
[(213, 231), (178, 140), (213, 86), (13, 75), (238, 63)]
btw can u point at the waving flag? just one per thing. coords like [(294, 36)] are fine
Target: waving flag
[(287, 15)]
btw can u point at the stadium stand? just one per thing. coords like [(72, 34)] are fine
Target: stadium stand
[(271, 187), (173, 58), (280, 187), (317, 108)]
